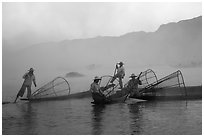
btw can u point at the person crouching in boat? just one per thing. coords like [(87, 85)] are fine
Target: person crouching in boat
[(133, 85), (97, 95), (120, 74), (95, 88), (28, 77)]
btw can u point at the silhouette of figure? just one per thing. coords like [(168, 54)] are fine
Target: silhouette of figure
[(28, 77), (120, 74)]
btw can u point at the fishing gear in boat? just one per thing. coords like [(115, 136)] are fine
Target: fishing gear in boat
[(111, 77), (171, 86), (55, 89), (107, 87), (147, 77)]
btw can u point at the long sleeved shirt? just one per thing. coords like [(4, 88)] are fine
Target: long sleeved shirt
[(29, 79), (133, 84), (95, 88), (121, 71)]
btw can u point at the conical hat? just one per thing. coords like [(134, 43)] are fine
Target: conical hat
[(31, 69), (97, 77), (132, 75)]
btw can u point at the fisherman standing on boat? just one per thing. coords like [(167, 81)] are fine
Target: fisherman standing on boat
[(120, 74), (133, 85), (29, 78)]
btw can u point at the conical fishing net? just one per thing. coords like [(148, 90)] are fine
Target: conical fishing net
[(107, 87), (171, 85), (55, 88), (147, 77)]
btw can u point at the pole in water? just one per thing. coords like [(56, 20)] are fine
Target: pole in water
[(111, 78), (16, 99)]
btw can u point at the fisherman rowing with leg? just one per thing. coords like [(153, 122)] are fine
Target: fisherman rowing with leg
[(120, 74), (28, 77)]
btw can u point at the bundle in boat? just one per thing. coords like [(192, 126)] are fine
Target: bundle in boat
[(169, 87), (58, 88)]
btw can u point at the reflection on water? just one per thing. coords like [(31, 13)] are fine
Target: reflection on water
[(135, 116), (23, 119), (79, 116), (97, 118), (28, 117)]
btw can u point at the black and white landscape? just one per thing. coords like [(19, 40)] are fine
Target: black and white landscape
[(76, 41)]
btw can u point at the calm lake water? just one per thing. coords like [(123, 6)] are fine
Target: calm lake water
[(79, 116)]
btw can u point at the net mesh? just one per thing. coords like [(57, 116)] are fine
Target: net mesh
[(147, 77), (171, 85), (57, 87), (105, 81)]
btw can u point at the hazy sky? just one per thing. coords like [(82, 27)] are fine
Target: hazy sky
[(25, 24), (32, 23)]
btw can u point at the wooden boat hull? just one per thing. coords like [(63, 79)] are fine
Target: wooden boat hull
[(46, 99), (70, 96), (151, 98), (101, 99), (171, 87)]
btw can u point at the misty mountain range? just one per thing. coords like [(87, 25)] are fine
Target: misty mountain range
[(173, 44)]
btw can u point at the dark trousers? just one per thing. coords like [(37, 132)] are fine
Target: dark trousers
[(22, 91)]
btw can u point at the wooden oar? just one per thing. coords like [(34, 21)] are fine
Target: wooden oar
[(16, 98), (112, 77), (110, 80)]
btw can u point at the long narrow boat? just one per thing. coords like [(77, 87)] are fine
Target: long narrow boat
[(56, 89), (114, 98), (171, 87)]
